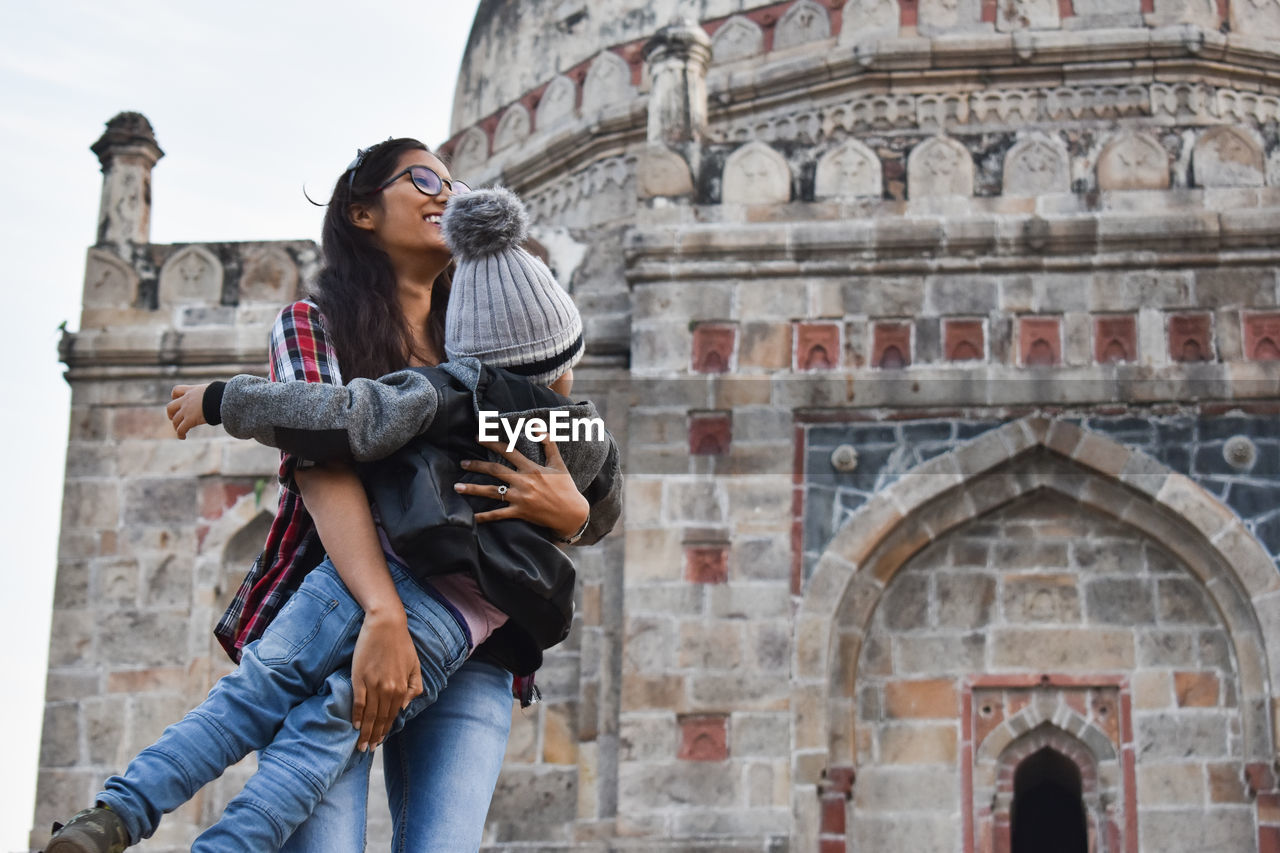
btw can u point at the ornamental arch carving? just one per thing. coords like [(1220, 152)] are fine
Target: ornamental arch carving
[(1229, 580)]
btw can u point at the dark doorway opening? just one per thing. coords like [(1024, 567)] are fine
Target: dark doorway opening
[(1047, 815)]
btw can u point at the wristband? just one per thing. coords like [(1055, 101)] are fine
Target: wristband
[(573, 540)]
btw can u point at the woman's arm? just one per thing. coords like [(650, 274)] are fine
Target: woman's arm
[(385, 673), (385, 666)]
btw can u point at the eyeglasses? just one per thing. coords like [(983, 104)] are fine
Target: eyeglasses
[(427, 181)]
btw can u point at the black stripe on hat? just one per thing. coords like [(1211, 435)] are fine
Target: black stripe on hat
[(546, 365)]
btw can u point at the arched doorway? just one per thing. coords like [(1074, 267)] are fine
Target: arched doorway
[(1047, 813)]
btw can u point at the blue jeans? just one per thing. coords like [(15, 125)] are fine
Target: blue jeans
[(440, 769), (292, 695)]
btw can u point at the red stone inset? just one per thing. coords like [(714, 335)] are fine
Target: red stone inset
[(1040, 341), (709, 433), (1065, 8), (704, 737), (706, 563), (833, 814), (1190, 337), (713, 347), (817, 346), (964, 340), (910, 13), (1115, 339), (989, 11), (1262, 337), (891, 345)]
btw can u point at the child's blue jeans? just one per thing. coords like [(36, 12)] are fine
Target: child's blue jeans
[(291, 696)]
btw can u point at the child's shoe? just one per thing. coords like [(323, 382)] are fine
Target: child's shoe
[(95, 830)]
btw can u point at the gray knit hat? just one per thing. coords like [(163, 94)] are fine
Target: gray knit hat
[(505, 308)]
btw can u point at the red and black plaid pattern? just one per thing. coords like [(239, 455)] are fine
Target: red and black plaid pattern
[(300, 349)]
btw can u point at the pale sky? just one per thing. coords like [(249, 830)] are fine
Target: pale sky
[(250, 102)]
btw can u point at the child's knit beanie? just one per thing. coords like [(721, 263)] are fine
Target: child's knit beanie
[(505, 308)]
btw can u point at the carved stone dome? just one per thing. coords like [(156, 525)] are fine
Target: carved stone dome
[(516, 46)]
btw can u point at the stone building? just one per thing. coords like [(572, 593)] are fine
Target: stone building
[(943, 337)]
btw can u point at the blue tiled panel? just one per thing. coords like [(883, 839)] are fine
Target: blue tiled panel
[(1186, 444)]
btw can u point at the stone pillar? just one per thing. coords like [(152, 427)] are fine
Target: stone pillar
[(678, 56), (127, 151)]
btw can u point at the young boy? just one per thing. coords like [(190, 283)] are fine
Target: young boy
[(291, 696)]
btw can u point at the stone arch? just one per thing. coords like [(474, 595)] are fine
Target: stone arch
[(191, 276), (1133, 161), (1237, 575), (513, 128), (270, 275), (940, 166), (1098, 788), (108, 281), (470, 154), (806, 21), (608, 82), (868, 20), (1228, 157), (849, 170), (737, 38), (995, 746), (1036, 165), (557, 104), (756, 174)]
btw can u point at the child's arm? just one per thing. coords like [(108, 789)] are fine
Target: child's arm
[(361, 421)]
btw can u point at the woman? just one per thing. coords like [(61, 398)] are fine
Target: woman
[(379, 306)]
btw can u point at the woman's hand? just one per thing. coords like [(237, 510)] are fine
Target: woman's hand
[(385, 675), (541, 494), (187, 409)]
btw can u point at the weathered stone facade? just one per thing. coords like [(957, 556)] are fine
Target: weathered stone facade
[(944, 342)]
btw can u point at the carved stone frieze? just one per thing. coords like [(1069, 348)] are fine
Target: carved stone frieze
[(557, 105), (756, 174), (1036, 165), (662, 172), (608, 82), (470, 154), (869, 19), (938, 17), (1248, 106), (804, 22), (850, 170), (550, 201), (108, 281), (270, 275), (940, 166), (1183, 102), (1094, 102), (1200, 13), (737, 38), (1133, 161), (1027, 15), (1228, 157), (1259, 18), (935, 112), (513, 128), (191, 275), (1014, 106)]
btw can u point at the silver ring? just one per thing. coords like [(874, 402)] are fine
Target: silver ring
[(502, 491)]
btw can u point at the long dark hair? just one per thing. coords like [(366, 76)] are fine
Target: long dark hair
[(356, 288)]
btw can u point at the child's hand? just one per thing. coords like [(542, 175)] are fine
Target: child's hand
[(187, 409)]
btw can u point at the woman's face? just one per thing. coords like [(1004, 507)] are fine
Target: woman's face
[(408, 221)]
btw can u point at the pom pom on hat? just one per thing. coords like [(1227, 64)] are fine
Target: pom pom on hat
[(505, 306), (484, 222)]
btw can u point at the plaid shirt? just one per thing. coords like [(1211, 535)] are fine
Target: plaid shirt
[(300, 349)]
